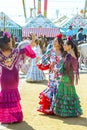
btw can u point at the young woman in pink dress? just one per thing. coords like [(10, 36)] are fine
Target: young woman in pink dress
[(10, 63)]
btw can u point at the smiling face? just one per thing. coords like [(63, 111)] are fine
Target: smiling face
[(56, 45), (66, 47)]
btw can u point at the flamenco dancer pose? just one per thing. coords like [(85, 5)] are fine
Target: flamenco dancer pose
[(10, 63), (53, 61)]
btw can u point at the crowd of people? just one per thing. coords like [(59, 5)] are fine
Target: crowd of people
[(79, 37), (59, 97)]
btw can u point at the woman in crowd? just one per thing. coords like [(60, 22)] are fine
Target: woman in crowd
[(34, 74), (53, 61), (67, 102)]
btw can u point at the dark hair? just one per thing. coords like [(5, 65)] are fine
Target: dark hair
[(13, 41), (73, 46), (60, 41), (4, 40), (81, 29), (70, 27), (42, 41)]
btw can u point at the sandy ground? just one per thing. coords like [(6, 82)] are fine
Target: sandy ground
[(34, 120)]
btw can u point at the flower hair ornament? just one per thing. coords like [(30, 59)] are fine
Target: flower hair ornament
[(69, 38), (59, 36), (6, 34)]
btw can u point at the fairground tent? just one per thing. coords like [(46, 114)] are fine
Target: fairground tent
[(40, 26), (76, 22), (6, 24)]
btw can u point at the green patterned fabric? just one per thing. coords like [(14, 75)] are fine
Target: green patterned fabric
[(67, 102)]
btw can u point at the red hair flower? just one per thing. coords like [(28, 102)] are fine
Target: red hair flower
[(59, 35), (69, 38)]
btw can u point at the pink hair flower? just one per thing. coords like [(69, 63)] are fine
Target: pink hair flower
[(6, 34)]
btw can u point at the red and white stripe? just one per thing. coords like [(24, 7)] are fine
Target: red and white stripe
[(49, 32)]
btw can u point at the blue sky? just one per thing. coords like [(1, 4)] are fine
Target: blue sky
[(14, 8)]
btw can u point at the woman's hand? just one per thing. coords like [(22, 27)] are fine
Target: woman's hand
[(38, 59), (76, 77), (33, 37), (32, 44)]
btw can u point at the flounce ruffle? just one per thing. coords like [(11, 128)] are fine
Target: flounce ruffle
[(67, 102), (11, 115), (10, 108), (45, 104), (9, 96), (43, 67)]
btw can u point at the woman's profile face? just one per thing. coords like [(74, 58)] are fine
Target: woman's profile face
[(56, 45), (10, 43), (66, 47)]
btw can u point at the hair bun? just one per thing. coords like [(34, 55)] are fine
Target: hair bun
[(59, 35)]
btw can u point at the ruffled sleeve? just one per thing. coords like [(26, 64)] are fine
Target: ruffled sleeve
[(75, 66), (44, 63), (28, 52), (38, 53), (46, 58), (71, 69)]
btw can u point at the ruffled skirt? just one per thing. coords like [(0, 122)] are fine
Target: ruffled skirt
[(10, 108), (67, 102), (34, 74), (47, 99)]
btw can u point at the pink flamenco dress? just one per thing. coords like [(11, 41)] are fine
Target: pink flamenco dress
[(10, 108)]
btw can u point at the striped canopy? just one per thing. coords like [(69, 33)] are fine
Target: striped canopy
[(49, 32), (40, 26)]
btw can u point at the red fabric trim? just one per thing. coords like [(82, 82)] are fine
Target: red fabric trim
[(41, 67)]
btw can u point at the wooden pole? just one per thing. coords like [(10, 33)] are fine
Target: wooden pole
[(85, 9), (45, 7), (24, 8), (39, 7)]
